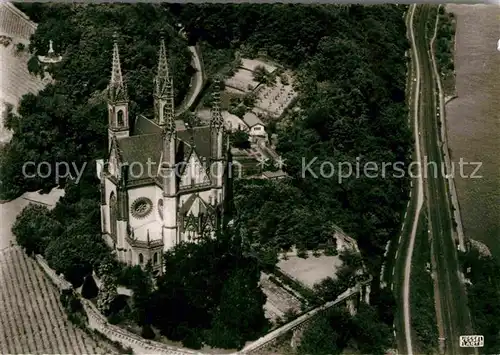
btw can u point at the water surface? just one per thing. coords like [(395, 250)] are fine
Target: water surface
[(474, 119)]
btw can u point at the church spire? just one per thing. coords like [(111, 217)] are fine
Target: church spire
[(164, 93), (118, 122), (216, 120), (117, 89), (163, 74)]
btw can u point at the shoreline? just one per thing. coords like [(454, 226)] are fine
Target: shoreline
[(456, 215), (473, 126), (449, 99)]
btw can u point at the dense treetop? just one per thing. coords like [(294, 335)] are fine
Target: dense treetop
[(350, 65)]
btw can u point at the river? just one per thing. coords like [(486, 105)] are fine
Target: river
[(474, 120)]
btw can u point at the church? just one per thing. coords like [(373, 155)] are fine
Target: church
[(163, 181)]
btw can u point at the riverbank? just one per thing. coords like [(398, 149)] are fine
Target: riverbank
[(455, 206), (444, 48)]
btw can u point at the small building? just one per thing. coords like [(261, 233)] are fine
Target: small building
[(255, 126), (233, 122), (274, 175)]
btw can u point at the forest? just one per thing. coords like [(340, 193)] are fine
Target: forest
[(350, 63), (483, 272)]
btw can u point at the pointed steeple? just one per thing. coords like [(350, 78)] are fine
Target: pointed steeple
[(164, 92), (163, 74), (117, 89), (216, 120)]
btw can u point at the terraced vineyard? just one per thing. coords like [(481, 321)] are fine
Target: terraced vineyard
[(32, 318)]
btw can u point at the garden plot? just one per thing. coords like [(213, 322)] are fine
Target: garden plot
[(273, 100), (33, 319), (242, 80), (312, 270)]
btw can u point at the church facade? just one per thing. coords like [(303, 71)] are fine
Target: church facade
[(163, 181)]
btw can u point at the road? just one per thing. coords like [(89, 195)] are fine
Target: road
[(196, 83), (451, 302), (419, 182), (428, 193)]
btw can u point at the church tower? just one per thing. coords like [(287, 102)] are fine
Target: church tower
[(118, 121), (163, 89), (165, 118), (217, 140)]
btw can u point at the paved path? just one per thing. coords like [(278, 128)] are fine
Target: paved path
[(420, 195), (196, 83), (451, 306)]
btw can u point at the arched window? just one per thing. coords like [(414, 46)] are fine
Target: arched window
[(112, 214), (103, 221), (155, 258), (120, 118), (200, 223), (141, 259), (129, 257)]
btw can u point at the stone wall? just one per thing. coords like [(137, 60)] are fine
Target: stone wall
[(121, 290), (96, 321), (59, 281), (271, 338)]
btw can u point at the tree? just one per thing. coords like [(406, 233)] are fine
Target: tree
[(328, 289), (319, 339), (89, 288), (371, 335), (108, 291), (328, 334), (34, 228), (64, 124), (147, 332), (142, 287), (240, 315), (74, 255), (384, 302), (20, 47), (240, 139), (260, 74)]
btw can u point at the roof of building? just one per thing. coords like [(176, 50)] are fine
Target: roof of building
[(144, 125), (252, 64), (146, 145), (137, 150), (251, 119), (274, 174)]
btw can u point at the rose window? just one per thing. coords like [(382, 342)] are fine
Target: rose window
[(141, 207)]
